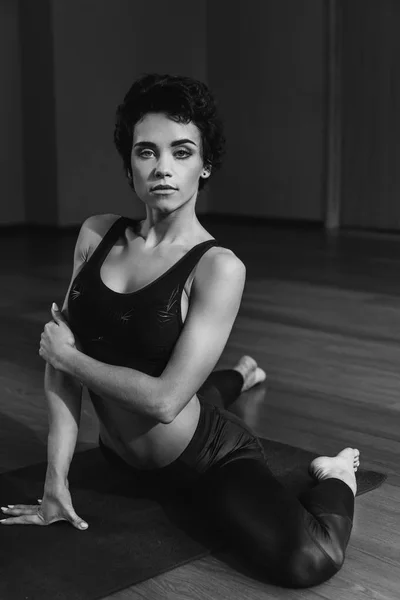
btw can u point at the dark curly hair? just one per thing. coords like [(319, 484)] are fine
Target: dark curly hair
[(182, 99)]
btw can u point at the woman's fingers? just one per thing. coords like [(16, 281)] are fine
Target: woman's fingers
[(76, 521), (35, 514), (23, 520), (20, 509)]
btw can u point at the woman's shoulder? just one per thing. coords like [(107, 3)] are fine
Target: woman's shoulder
[(97, 226), (218, 255), (92, 231), (221, 260)]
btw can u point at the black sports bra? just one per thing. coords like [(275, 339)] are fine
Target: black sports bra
[(137, 329)]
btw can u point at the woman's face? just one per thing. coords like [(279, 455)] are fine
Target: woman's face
[(166, 153)]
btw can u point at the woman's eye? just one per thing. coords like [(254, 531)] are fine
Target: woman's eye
[(144, 152), (186, 153)]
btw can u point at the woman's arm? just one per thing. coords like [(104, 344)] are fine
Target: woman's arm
[(64, 400), (63, 392)]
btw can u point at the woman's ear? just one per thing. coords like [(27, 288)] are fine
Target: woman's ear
[(129, 178)]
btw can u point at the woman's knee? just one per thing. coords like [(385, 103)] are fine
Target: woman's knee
[(320, 553), (275, 536), (294, 563), (308, 565)]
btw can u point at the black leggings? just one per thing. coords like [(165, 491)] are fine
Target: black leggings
[(288, 540)]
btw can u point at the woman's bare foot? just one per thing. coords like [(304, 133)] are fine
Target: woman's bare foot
[(342, 466), (252, 374)]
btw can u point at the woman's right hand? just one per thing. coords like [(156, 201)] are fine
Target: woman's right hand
[(55, 506)]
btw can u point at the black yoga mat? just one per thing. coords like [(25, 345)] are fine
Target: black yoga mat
[(131, 537)]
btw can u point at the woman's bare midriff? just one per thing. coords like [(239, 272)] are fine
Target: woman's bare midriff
[(140, 441), (144, 443)]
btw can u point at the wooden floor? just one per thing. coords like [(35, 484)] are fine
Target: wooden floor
[(321, 314)]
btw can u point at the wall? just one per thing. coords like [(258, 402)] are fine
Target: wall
[(264, 61), (371, 104), (11, 163), (267, 67), (38, 113), (100, 47)]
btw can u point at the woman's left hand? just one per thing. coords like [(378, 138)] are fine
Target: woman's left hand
[(56, 340)]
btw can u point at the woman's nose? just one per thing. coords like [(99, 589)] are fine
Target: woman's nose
[(163, 167), (162, 172)]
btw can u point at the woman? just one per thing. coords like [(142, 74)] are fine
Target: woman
[(152, 304)]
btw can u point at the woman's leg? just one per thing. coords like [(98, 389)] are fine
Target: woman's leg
[(289, 541), (222, 387)]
